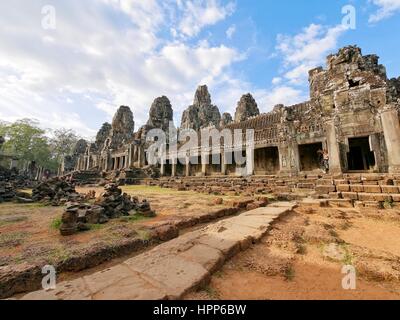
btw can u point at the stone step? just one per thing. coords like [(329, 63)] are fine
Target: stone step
[(340, 203)]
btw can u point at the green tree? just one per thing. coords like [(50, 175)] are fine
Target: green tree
[(27, 141), (62, 143)]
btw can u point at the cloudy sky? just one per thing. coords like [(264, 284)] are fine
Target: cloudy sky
[(100, 54)]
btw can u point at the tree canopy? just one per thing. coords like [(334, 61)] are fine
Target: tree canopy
[(25, 140)]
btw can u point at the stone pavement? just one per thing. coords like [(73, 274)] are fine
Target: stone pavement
[(174, 268)]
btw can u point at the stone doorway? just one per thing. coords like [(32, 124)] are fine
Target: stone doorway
[(310, 159), (214, 165), (266, 161), (168, 168), (195, 166), (360, 157), (180, 169), (231, 165)]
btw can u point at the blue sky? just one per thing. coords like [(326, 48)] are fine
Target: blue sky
[(105, 53)]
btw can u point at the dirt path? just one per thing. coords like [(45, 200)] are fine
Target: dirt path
[(302, 258), (175, 268)]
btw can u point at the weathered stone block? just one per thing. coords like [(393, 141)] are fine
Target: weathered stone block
[(335, 195), (356, 188), (350, 195), (382, 197), (395, 197), (373, 204), (341, 203), (372, 189), (325, 189), (366, 197), (325, 182), (390, 189), (343, 187)]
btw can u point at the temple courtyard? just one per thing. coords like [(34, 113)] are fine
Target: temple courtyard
[(227, 246)]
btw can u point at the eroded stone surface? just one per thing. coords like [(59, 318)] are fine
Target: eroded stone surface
[(202, 113), (174, 268), (161, 114), (247, 107)]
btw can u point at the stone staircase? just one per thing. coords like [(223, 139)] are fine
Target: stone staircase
[(360, 190)]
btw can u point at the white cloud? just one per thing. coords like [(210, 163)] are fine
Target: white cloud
[(99, 58), (285, 95), (387, 8), (198, 14), (231, 31), (307, 49), (276, 80)]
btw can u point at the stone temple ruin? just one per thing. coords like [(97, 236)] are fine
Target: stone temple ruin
[(353, 113)]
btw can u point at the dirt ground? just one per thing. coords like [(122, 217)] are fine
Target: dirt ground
[(29, 232), (303, 257)]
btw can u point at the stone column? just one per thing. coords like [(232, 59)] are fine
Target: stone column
[(204, 162), (223, 164), (162, 167), (289, 158), (335, 165), (129, 157), (13, 164), (250, 161), (187, 167), (391, 131)]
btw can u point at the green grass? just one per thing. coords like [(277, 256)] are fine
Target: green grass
[(149, 190), (57, 255), (388, 204), (95, 227), (145, 235), (289, 273), (301, 249), (348, 259), (56, 224), (12, 220), (12, 239), (219, 274), (134, 218), (211, 292), (346, 225)]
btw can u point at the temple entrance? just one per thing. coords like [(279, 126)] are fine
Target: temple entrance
[(168, 168), (180, 169), (231, 164), (195, 166), (214, 165), (360, 157), (310, 159), (266, 161)]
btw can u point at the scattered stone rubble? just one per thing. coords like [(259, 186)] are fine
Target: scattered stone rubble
[(56, 191), (113, 203), (10, 182), (7, 191)]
